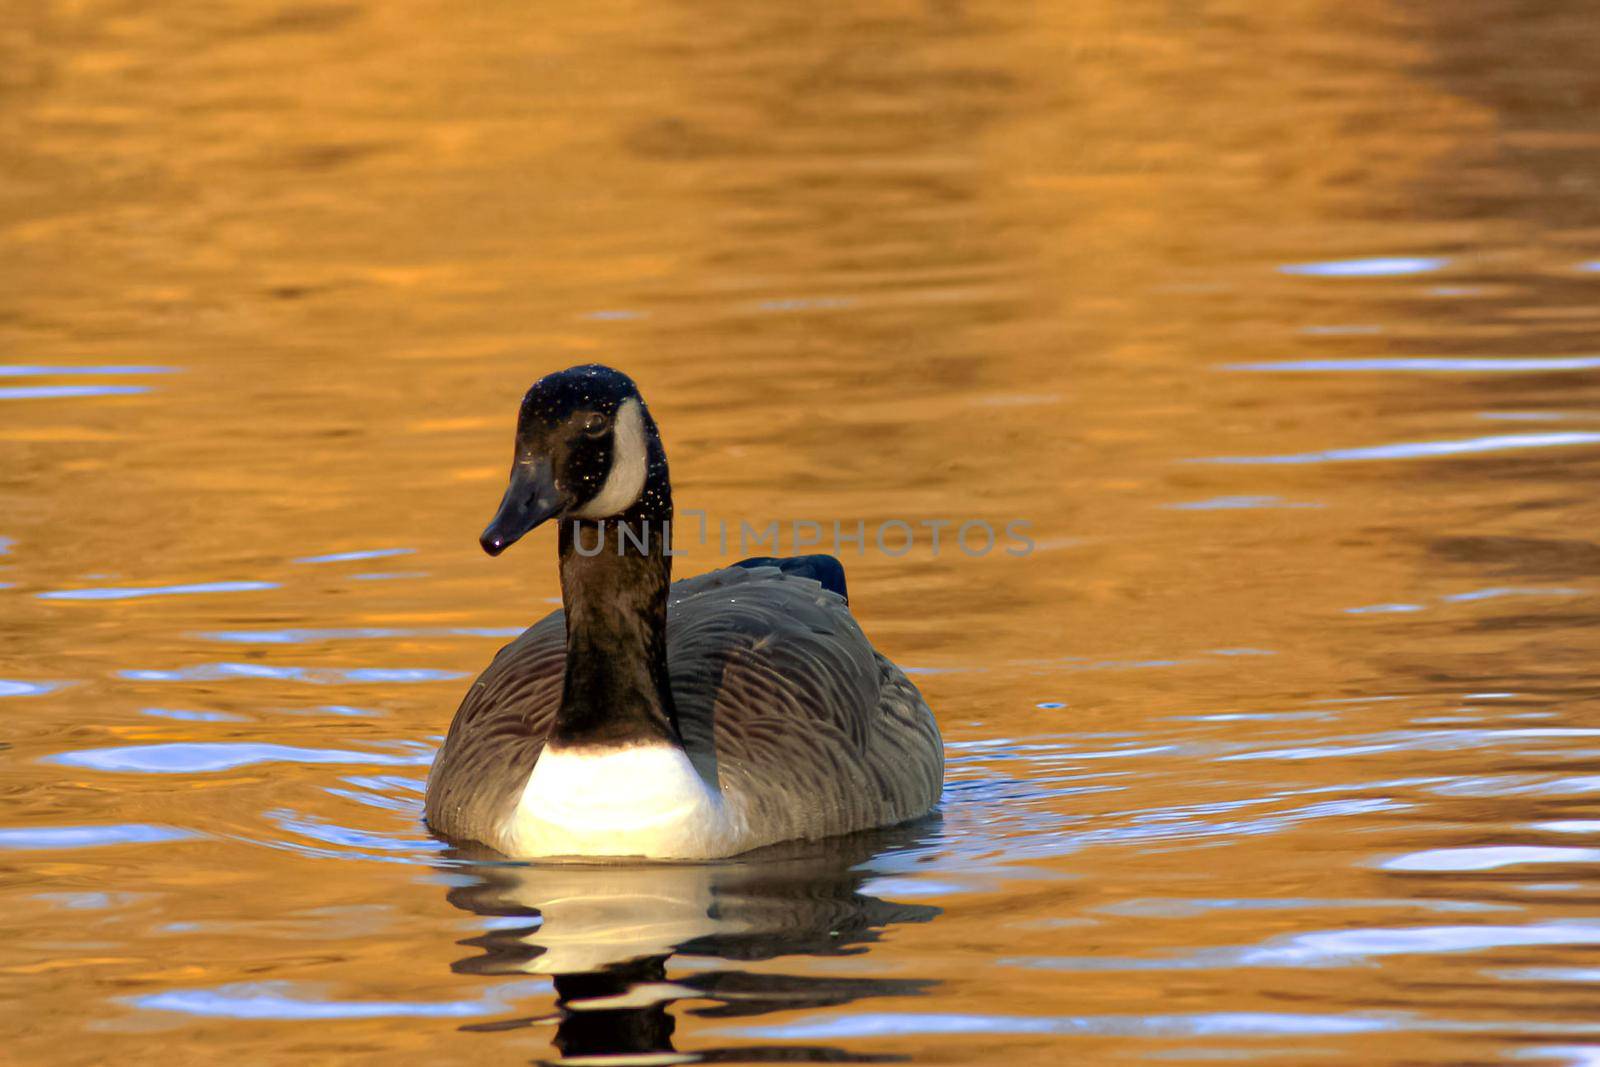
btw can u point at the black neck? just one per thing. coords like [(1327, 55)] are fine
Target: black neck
[(616, 690)]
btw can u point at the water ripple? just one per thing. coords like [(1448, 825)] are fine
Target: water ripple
[(39, 370), (1498, 591), (40, 837), (1488, 858), (185, 715), (1325, 947), (408, 805), (344, 557), (1383, 609), (1194, 907), (48, 392), (1518, 785), (299, 636), (1420, 449), (1237, 503), (136, 592), (199, 757), (211, 672), (1211, 1024), (1427, 365), (1570, 1055), (1373, 267), (381, 783), (11, 687), (349, 837), (283, 1001), (1413, 741), (1336, 948)]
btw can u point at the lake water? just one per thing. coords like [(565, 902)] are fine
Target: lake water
[(1276, 324)]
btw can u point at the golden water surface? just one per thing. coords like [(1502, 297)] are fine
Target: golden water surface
[(1275, 322)]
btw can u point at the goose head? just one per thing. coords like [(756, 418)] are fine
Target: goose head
[(586, 448)]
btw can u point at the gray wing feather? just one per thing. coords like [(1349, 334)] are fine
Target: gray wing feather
[(497, 734), (780, 697)]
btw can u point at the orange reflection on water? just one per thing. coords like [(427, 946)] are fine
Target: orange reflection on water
[(1279, 759)]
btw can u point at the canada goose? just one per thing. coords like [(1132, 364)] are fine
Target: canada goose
[(694, 720)]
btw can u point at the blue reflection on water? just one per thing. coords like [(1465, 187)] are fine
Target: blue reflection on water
[(1375, 267), (1454, 364), (298, 636), (293, 637), (349, 837), (1234, 503), (11, 687), (1383, 609), (1470, 596), (370, 553), (30, 837), (1334, 948), (1586, 975), (803, 303), (348, 634), (1496, 592), (211, 672), (48, 392), (888, 1024), (194, 757), (87, 901), (1488, 858), (1193, 907), (352, 634), (284, 1000), (14, 370), (409, 805), (1323, 947), (386, 782), (1428, 740), (184, 715), (1421, 449), (132, 593)]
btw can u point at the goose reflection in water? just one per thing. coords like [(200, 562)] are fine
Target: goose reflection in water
[(607, 933)]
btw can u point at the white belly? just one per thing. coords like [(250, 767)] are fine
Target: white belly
[(647, 800)]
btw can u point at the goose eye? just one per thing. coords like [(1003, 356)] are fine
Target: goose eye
[(596, 424)]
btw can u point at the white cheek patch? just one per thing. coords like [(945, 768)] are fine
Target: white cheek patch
[(630, 458)]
